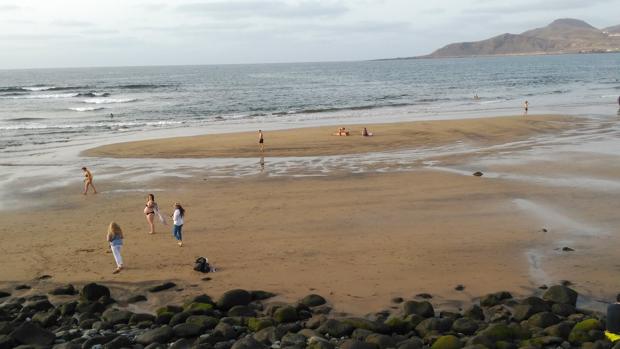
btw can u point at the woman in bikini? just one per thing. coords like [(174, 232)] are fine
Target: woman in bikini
[(88, 181), (149, 211)]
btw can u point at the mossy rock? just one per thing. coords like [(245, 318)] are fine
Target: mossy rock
[(285, 314), (424, 309), (397, 324), (164, 318), (199, 307), (465, 326), (169, 309), (498, 332), (505, 345), (561, 294), (204, 321), (447, 342), (588, 325), (543, 320), (257, 324), (366, 324)]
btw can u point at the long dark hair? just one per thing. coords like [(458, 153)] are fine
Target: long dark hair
[(180, 208), (151, 197)]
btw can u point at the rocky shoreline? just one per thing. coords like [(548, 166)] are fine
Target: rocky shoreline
[(241, 319)]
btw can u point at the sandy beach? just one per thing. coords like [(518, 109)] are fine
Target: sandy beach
[(359, 239)]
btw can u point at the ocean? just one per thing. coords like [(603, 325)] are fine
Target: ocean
[(46, 108), (48, 116)]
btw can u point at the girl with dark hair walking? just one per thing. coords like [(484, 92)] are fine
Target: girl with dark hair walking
[(178, 219)]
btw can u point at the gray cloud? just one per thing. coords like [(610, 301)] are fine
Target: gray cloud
[(267, 8)]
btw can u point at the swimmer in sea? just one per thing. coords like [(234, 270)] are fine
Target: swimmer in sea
[(88, 181)]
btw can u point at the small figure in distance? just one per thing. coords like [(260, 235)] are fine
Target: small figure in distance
[(88, 181), (261, 141), (150, 210), (178, 219), (476, 97), (115, 239), (342, 132), (613, 321), (365, 133), (526, 106), (111, 116)]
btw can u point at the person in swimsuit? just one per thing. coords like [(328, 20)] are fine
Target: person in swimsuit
[(526, 106), (88, 181), (115, 239), (261, 141), (149, 211), (365, 133)]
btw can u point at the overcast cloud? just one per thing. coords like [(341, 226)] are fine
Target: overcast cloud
[(43, 33)]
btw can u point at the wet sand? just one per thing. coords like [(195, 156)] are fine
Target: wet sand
[(357, 239), (321, 141)]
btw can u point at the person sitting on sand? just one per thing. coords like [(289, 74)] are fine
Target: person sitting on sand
[(115, 239), (365, 133), (342, 132), (150, 210), (613, 321), (88, 181), (178, 219)]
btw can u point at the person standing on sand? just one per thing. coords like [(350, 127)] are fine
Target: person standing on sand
[(88, 181), (150, 210), (261, 141), (178, 219), (115, 239), (526, 106)]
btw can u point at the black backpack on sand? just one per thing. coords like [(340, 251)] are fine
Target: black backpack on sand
[(202, 265)]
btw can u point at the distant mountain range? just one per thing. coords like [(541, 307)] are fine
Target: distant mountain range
[(565, 35)]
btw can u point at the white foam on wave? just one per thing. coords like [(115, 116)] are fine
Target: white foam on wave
[(38, 88), (109, 100), (86, 109), (47, 96)]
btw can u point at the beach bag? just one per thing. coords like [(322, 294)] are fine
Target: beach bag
[(202, 265)]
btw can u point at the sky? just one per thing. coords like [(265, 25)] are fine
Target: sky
[(50, 33)]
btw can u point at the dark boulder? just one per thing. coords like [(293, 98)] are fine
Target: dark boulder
[(162, 287), (465, 326), (136, 299), (366, 324), (355, 344), (312, 300), (47, 319), (118, 343), (6, 342), (98, 340), (31, 334), (37, 305), (157, 335), (116, 316), (424, 309), (248, 343), (494, 298), (543, 320), (234, 297), (335, 328), (564, 310), (68, 290), (205, 322), (285, 314), (561, 294), (478, 174), (225, 331), (295, 340), (187, 330), (241, 310), (433, 325), (137, 318), (258, 295), (92, 292), (380, 340), (4, 294)]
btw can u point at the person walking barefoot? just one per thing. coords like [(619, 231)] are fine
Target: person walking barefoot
[(88, 181), (149, 210), (115, 239), (261, 141), (178, 219)]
